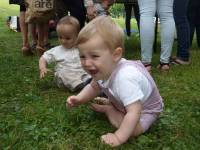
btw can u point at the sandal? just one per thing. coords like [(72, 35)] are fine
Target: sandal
[(26, 51), (33, 47), (148, 66), (163, 66), (40, 50), (178, 61), (48, 46)]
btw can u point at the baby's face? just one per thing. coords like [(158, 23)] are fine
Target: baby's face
[(97, 59), (67, 35), (107, 4)]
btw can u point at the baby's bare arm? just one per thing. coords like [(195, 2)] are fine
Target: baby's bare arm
[(130, 122), (88, 93), (42, 67)]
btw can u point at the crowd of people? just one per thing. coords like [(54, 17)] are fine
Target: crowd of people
[(89, 57), (178, 16)]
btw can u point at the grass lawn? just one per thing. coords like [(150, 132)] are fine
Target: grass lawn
[(33, 113)]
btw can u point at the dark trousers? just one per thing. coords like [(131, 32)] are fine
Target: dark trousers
[(128, 10), (75, 7), (182, 27), (194, 19)]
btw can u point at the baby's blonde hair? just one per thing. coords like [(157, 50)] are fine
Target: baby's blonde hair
[(69, 20), (103, 26)]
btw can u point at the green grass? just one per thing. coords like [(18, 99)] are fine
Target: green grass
[(33, 113)]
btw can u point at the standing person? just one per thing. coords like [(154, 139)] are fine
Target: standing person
[(97, 7), (77, 10), (42, 28), (68, 71), (148, 9), (128, 10), (39, 15), (194, 20), (26, 49), (183, 32), (134, 102)]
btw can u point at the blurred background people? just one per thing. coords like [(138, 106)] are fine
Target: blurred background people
[(183, 32), (194, 20), (164, 9)]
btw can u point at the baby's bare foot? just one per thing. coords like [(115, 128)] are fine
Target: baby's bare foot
[(102, 101), (100, 108)]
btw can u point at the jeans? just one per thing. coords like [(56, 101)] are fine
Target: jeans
[(183, 29), (194, 19), (164, 8)]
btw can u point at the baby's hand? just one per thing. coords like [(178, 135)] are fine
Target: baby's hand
[(72, 101), (43, 71), (110, 139), (106, 4), (91, 12)]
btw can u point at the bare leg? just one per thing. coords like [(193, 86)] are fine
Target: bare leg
[(46, 34), (115, 117), (41, 29), (24, 29), (33, 33), (41, 35)]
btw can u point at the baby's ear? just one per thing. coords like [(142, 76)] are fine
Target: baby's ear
[(117, 54)]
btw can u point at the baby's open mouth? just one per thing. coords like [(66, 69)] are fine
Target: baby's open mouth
[(93, 72)]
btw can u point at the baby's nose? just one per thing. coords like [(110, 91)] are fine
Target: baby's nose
[(87, 62)]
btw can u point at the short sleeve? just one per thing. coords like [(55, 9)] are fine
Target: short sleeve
[(49, 56), (130, 86)]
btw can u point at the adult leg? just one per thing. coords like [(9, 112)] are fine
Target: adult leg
[(24, 31), (33, 33), (47, 45), (191, 18), (41, 35), (137, 14), (198, 22), (167, 27), (183, 30), (147, 28), (128, 10), (77, 10)]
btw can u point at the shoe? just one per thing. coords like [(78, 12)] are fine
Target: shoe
[(33, 47), (148, 66), (163, 66), (26, 51), (48, 46), (178, 61), (40, 50)]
